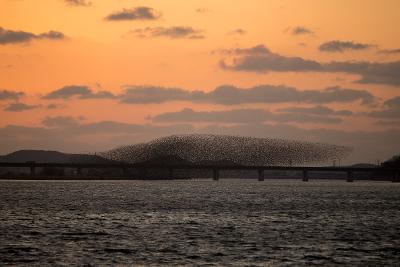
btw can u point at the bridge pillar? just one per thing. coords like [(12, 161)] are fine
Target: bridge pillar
[(33, 171), (305, 176), (396, 177), (260, 175), (170, 173), (350, 177), (143, 173), (215, 174)]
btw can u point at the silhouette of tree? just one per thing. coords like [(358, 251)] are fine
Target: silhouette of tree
[(394, 162)]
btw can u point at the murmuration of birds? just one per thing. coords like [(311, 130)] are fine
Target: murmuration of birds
[(248, 151)]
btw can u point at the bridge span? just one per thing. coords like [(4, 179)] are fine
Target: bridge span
[(393, 173)]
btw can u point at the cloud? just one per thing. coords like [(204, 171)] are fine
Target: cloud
[(175, 32), (19, 107), (7, 66), (281, 94), (53, 106), (370, 72), (61, 121), (267, 61), (231, 95), (238, 31), (393, 102), (390, 110), (52, 35), (14, 37), (301, 30), (222, 95), (260, 59), (240, 116), (10, 95), (76, 126), (341, 46), (203, 10), (111, 127), (317, 110), (82, 92), (231, 116), (256, 50), (78, 2), (10, 37), (390, 51), (137, 13), (392, 123), (156, 95)]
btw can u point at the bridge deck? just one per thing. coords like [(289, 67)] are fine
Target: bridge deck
[(189, 167), (394, 173)]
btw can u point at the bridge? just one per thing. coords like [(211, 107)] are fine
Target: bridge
[(393, 173)]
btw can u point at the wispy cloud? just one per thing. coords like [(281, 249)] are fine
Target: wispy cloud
[(61, 121), (390, 51), (202, 10), (14, 37), (238, 31), (317, 110), (10, 95), (342, 46), (266, 61), (174, 32), (301, 30), (19, 107), (255, 50), (242, 116), (260, 59), (82, 92), (78, 2), (137, 13), (53, 106), (231, 95), (390, 110)]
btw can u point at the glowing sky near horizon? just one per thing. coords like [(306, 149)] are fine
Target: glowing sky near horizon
[(91, 75)]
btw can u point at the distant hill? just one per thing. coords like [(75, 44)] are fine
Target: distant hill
[(42, 156)]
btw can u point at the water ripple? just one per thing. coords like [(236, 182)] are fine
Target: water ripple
[(229, 223)]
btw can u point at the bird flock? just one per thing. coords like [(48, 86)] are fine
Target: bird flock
[(241, 150)]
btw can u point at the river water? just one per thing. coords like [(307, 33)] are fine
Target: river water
[(199, 222)]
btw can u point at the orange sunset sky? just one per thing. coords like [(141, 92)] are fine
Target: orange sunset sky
[(86, 76)]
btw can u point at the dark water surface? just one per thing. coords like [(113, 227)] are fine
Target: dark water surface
[(230, 222)]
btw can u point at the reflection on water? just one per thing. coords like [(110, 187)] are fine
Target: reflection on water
[(230, 222)]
